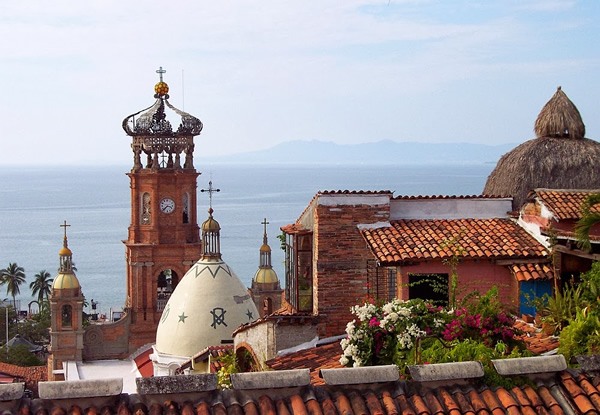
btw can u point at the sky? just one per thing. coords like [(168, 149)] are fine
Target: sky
[(258, 73)]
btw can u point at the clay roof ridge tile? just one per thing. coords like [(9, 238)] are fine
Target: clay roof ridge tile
[(391, 408)]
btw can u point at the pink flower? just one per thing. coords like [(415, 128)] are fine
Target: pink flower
[(373, 322)]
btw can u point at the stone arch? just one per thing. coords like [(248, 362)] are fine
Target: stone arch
[(66, 313), (246, 358), (165, 281)]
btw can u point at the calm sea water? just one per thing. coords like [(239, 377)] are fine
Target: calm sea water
[(34, 202)]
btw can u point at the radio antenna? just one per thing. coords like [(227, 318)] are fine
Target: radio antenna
[(182, 91)]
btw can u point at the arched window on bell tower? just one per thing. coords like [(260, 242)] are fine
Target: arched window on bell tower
[(145, 217), (166, 282), (186, 208), (67, 315)]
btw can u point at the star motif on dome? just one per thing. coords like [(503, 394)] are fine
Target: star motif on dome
[(250, 315), (182, 318)]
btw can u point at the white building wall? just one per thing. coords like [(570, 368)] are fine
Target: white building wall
[(450, 208)]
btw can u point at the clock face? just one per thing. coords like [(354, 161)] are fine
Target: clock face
[(167, 205)]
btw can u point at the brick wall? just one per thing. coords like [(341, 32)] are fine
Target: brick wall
[(340, 261), (478, 276)]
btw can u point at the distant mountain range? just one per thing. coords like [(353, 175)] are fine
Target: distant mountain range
[(380, 152)]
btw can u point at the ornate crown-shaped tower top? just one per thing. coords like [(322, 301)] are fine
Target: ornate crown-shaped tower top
[(153, 133)]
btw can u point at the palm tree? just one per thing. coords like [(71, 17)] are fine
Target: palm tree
[(41, 286), (12, 276), (590, 217)]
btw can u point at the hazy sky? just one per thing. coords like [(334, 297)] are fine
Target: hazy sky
[(258, 73)]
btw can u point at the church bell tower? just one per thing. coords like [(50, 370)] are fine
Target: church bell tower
[(163, 238)]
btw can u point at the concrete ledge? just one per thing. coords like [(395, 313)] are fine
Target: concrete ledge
[(446, 371), (530, 365), (11, 391), (176, 384), (80, 388), (363, 374), (271, 379)]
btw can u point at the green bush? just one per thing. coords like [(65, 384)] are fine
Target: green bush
[(581, 336)]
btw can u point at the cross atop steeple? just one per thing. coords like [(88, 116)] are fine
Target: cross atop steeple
[(265, 223), (65, 226), (160, 71), (210, 191)]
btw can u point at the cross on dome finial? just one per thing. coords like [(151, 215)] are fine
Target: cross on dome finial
[(65, 225), (210, 191), (160, 71), (265, 223)]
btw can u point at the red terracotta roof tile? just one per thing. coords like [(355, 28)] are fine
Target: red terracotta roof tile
[(535, 339), (419, 239), (313, 407), (565, 204), (30, 375), (427, 197), (388, 403), (343, 405), (536, 271), (354, 192), (315, 358)]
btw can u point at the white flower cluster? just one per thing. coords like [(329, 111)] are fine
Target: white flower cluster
[(392, 317), (364, 312)]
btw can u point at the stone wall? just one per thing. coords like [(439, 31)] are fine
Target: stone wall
[(107, 341)]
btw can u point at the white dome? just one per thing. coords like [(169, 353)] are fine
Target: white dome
[(206, 307)]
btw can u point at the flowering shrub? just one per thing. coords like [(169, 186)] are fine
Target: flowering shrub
[(399, 331), (384, 334), (487, 329)]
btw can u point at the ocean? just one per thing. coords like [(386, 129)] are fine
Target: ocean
[(95, 201)]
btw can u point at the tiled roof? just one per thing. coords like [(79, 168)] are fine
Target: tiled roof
[(427, 197), (326, 356), (354, 192), (144, 363), (526, 272), (31, 375), (565, 204), (419, 240), (535, 339), (564, 392)]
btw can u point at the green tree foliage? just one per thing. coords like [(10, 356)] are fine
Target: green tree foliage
[(590, 217), (41, 286), (20, 356), (12, 276), (37, 328), (582, 333)]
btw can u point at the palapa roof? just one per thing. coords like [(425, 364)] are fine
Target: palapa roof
[(560, 157)]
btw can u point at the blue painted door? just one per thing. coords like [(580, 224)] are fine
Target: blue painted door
[(530, 290)]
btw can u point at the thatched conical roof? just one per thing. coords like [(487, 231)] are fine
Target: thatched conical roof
[(559, 158), (559, 118)]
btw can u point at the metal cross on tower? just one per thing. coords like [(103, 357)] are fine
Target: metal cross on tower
[(160, 71), (65, 226), (210, 191), (265, 223)]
